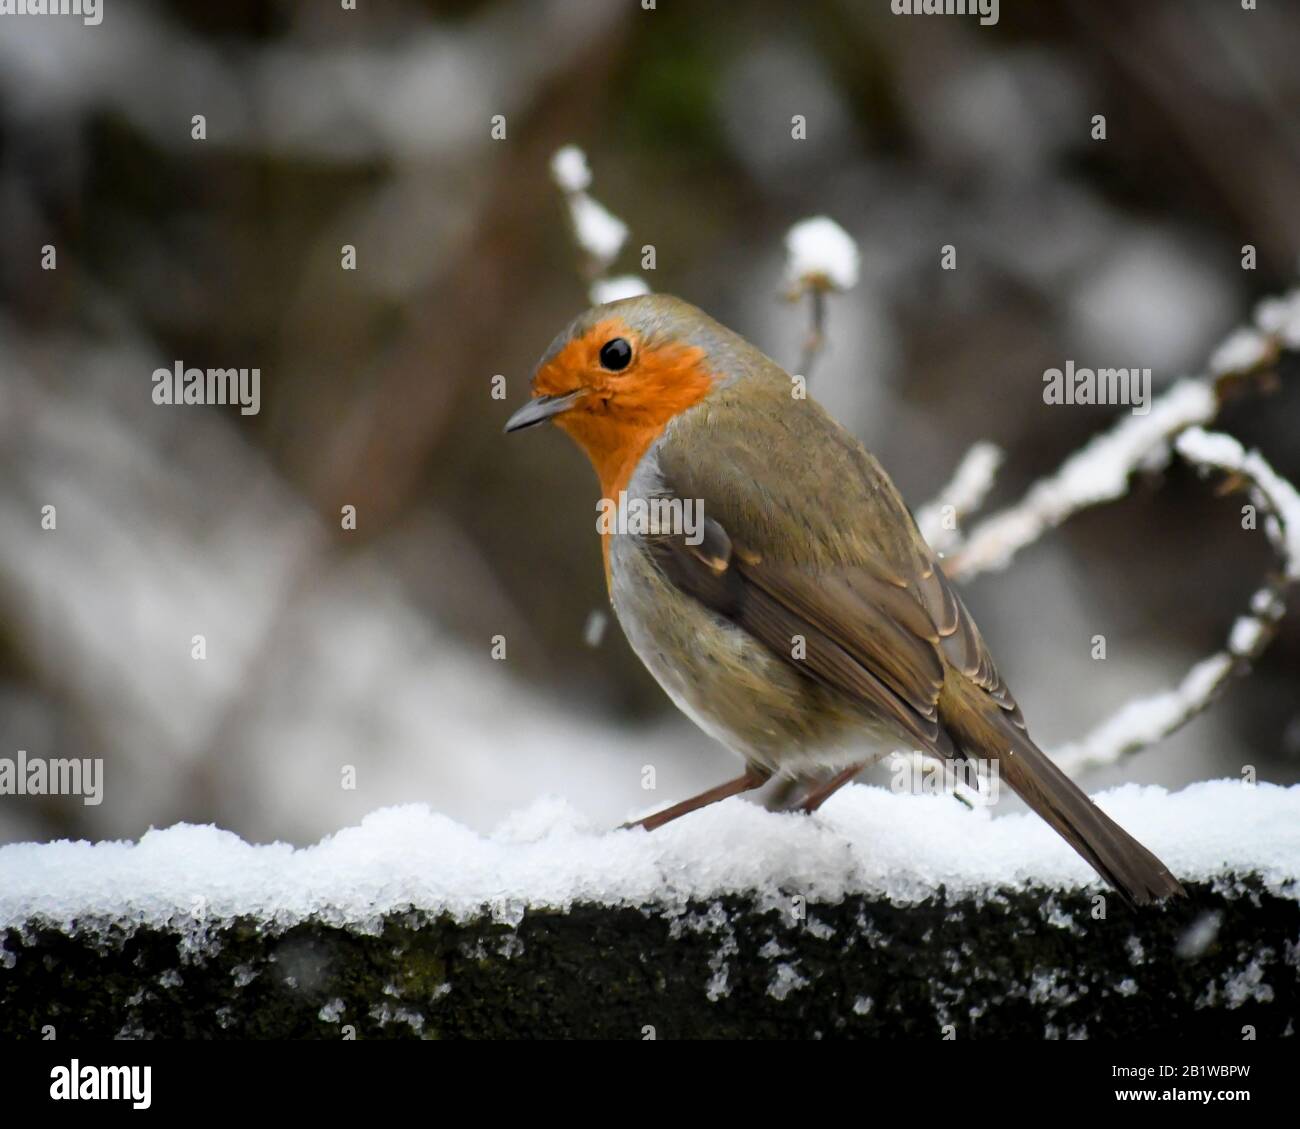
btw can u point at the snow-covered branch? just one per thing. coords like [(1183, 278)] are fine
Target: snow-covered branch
[(599, 233), (821, 258), (1142, 722), (1101, 471), (1276, 497), (940, 520)]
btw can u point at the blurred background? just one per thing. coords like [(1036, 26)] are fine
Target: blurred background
[(371, 648)]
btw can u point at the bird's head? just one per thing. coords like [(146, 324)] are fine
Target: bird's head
[(619, 373)]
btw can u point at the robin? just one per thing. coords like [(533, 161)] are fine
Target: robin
[(801, 619)]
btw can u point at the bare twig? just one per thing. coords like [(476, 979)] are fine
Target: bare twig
[(815, 340)]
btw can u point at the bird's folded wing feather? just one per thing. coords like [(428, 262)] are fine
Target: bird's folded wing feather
[(844, 569)]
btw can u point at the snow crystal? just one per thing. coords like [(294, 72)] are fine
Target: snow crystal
[(384, 1014), (717, 987), (787, 979), (614, 289), (599, 232), (974, 476), (1218, 450), (1243, 350), (819, 249), (569, 169), (1281, 318), (1045, 987), (1213, 448), (1265, 603), (865, 840), (1057, 917), (1245, 635), (820, 929), (1247, 986), (966, 492)]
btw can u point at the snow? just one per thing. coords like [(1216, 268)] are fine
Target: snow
[(1247, 986), (598, 231), (569, 169), (1144, 721), (1280, 318), (1214, 449), (819, 250), (865, 840), (970, 484), (620, 286), (1247, 631), (1099, 472), (1277, 322), (787, 979), (1241, 352)]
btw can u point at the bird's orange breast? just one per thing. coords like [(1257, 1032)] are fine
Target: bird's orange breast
[(624, 413)]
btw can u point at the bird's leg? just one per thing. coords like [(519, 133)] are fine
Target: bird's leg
[(754, 777), (820, 795)]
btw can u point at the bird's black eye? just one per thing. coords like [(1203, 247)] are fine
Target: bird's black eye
[(616, 354)]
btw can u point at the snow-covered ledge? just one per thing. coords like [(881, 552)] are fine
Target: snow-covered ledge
[(883, 915)]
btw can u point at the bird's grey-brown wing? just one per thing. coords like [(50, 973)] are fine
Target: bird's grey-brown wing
[(810, 541), (871, 655)]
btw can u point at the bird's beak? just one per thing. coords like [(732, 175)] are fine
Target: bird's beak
[(541, 408)]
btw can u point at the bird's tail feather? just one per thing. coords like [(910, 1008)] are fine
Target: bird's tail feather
[(1110, 850)]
